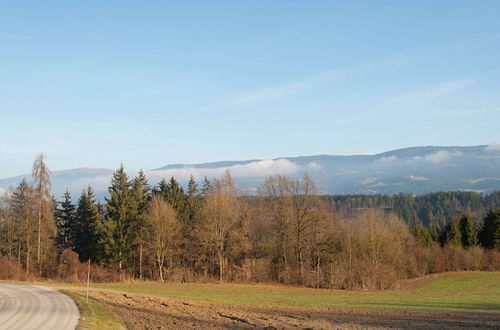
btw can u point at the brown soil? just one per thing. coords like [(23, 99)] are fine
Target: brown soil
[(147, 312)]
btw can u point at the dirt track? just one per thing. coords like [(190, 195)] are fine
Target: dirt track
[(24, 306), (141, 312)]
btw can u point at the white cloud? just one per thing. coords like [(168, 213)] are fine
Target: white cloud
[(368, 181), (389, 159), (314, 166), (433, 92), (439, 157), (418, 178), (261, 168), (101, 182), (492, 147)]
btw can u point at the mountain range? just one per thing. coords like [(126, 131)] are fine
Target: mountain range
[(415, 170)]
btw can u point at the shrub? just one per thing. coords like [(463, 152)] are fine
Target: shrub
[(11, 270)]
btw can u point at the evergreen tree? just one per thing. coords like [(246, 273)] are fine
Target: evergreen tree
[(65, 222), (452, 233), (173, 193), (207, 187), (469, 231), (121, 221), (162, 188), (192, 199), (141, 192), (422, 234), (190, 246), (85, 228), (434, 232), (490, 233)]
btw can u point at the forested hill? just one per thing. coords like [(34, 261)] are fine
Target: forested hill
[(432, 208), (415, 170)]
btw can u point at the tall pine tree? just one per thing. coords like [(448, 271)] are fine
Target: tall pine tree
[(469, 231), (65, 222), (452, 233), (490, 233), (173, 193), (121, 221), (85, 229), (141, 193)]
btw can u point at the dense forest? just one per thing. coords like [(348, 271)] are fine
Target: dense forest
[(208, 231), (432, 209)]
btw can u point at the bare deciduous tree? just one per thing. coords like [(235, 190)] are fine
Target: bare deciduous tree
[(220, 213), (162, 228), (41, 188)]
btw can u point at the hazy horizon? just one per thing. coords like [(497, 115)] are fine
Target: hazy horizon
[(96, 84), (161, 166)]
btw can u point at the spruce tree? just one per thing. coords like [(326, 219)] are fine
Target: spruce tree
[(173, 193), (65, 222), (452, 233), (141, 193), (422, 234), (162, 187), (490, 233), (207, 187), (121, 221), (190, 244), (192, 199), (85, 229), (469, 231)]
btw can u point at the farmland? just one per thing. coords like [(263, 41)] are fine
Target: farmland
[(452, 300)]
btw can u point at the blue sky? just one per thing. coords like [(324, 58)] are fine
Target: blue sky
[(150, 83)]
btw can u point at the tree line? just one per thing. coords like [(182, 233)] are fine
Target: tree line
[(286, 233), (432, 209)]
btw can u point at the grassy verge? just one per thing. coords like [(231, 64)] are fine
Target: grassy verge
[(475, 292), (94, 315)]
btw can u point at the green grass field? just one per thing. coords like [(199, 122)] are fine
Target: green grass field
[(474, 292), (94, 315)]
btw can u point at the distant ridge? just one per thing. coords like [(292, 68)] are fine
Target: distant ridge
[(411, 170)]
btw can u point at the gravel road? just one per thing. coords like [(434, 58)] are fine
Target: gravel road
[(25, 306)]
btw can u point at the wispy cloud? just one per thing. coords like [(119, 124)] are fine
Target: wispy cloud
[(459, 113), (286, 88), (433, 92)]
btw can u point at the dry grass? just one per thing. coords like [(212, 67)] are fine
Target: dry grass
[(464, 292)]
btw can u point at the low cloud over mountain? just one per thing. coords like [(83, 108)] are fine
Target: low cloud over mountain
[(410, 170)]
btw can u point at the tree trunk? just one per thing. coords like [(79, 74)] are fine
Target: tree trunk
[(317, 271), (221, 264), (27, 260), (39, 236), (140, 262), (160, 266)]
